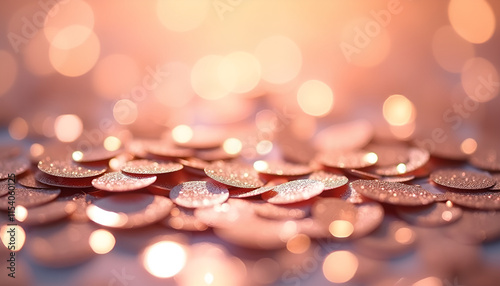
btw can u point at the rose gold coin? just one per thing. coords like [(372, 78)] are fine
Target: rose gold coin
[(95, 154), (148, 167), (69, 169), (17, 165), (486, 159), (393, 193), (280, 168), (245, 193), (63, 182), (462, 179), (168, 151), (227, 214), (28, 180), (50, 212), (369, 217), (183, 219), (294, 191), (416, 159), (118, 182), (437, 214), (449, 149), (215, 154), (398, 179), (281, 212), (4, 188), (475, 227), (9, 151), (130, 210), (363, 174), (330, 180), (195, 194), (29, 197), (331, 212), (476, 200), (194, 166), (349, 159), (234, 174), (352, 135), (496, 187)]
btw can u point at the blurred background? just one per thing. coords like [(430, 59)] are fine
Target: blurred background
[(75, 69)]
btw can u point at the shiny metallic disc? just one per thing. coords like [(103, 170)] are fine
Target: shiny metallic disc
[(330, 180), (148, 167), (393, 193), (119, 182), (462, 179), (476, 200), (294, 191), (234, 174), (16, 165), (69, 169), (437, 214), (27, 197), (195, 194)]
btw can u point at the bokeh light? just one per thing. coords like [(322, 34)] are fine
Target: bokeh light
[(18, 128), (340, 266), (68, 127), (15, 231), (398, 110), (102, 241), (315, 98), (164, 259), (205, 78), (125, 112), (239, 72), (115, 75), (450, 50), (182, 16), (473, 20)]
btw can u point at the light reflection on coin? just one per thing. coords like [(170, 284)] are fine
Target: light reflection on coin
[(476, 200), (17, 165), (331, 181), (294, 191), (30, 197), (63, 182), (416, 158), (118, 182), (95, 154), (281, 212), (244, 193), (462, 179), (196, 194), (348, 160), (129, 210), (182, 218), (148, 167), (350, 135), (337, 216), (437, 214), (234, 174), (393, 193), (68, 169), (227, 214), (48, 213)]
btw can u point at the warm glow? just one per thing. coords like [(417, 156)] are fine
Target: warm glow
[(175, 89), (111, 143), (36, 150), (315, 98), (239, 72), (232, 146), (403, 132), (340, 266), (473, 20), (401, 168), (18, 128), (398, 110), (468, 146), (429, 281), (208, 278), (182, 16), (21, 213), (33, 62), (371, 158), (404, 235), (260, 165), (205, 78), (68, 127), (78, 60), (450, 50), (182, 133), (8, 71), (298, 244), (264, 147), (125, 112), (447, 215), (77, 156), (7, 232), (106, 218), (117, 75), (341, 228), (70, 37), (164, 259), (280, 58), (102, 241), (480, 79)]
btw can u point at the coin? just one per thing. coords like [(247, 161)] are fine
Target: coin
[(475, 226), (337, 216), (476, 200), (437, 214), (281, 212), (168, 151), (16, 165), (130, 210), (194, 194), (486, 159), (95, 154), (462, 179), (393, 193), (330, 180), (148, 167), (416, 158), (369, 217), (234, 174), (69, 169), (294, 191), (245, 193), (280, 168), (63, 182), (496, 177), (194, 165), (348, 160), (227, 214), (182, 218), (28, 180), (118, 182), (28, 198), (48, 213)]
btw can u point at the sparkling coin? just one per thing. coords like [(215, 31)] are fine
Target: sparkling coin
[(196, 194), (118, 182), (486, 159), (81, 201), (4, 188), (281, 212), (16, 165), (28, 180), (393, 193), (462, 179), (280, 168), (437, 214), (61, 245), (244, 193), (69, 169), (330, 180), (148, 167), (294, 191), (95, 154), (476, 200), (234, 174), (475, 227), (496, 187), (416, 159), (349, 159), (29, 197), (183, 219), (63, 182), (48, 213), (227, 214), (363, 174), (129, 210)]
